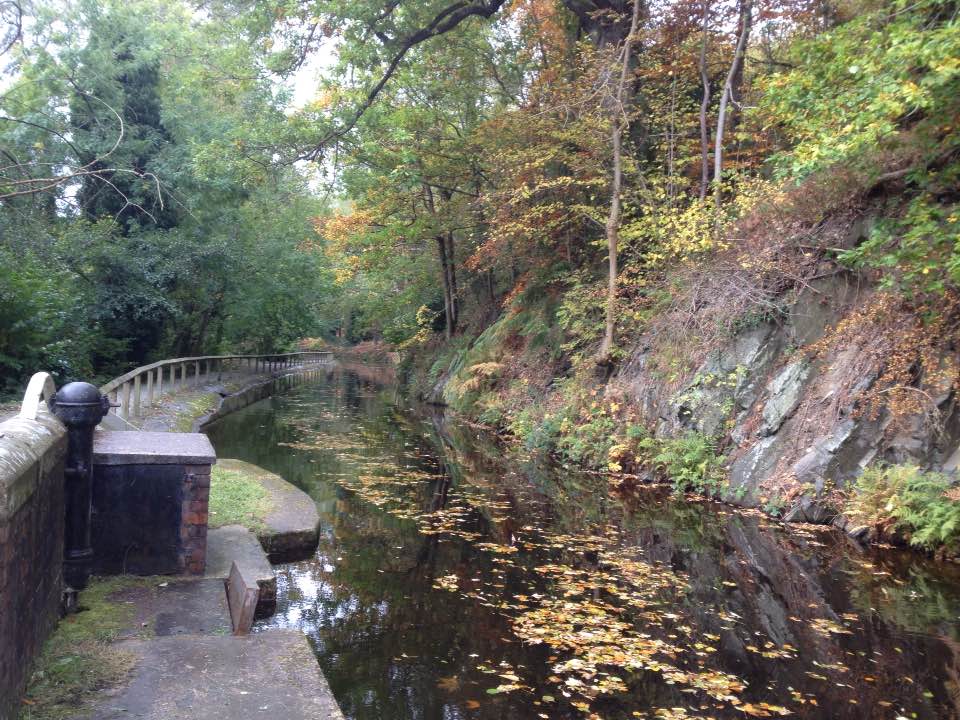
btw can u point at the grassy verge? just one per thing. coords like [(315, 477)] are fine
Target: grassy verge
[(196, 409), (237, 498), (80, 659)]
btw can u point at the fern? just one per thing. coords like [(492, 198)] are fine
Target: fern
[(917, 504), (689, 462)]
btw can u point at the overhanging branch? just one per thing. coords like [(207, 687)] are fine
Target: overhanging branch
[(444, 21)]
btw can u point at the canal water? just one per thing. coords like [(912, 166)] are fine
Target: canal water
[(454, 581)]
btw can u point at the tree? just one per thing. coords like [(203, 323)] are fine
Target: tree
[(619, 123), (731, 90)]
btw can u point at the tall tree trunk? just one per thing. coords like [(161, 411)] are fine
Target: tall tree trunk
[(704, 106), (672, 143), (613, 219), (444, 268), (451, 270), (452, 282), (736, 69)]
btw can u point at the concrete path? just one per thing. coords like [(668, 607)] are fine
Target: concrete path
[(191, 667), (270, 675)]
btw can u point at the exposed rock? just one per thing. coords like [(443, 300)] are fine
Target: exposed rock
[(788, 406), (783, 396), (750, 469), (726, 382), (813, 466), (811, 510)]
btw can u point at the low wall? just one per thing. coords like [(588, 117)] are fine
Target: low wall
[(260, 391), (32, 454)]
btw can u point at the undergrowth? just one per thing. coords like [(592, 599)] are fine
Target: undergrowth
[(689, 463), (904, 500)]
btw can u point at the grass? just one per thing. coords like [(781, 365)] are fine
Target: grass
[(79, 659), (237, 498), (196, 409)]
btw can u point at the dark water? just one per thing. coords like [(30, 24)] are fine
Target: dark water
[(451, 582)]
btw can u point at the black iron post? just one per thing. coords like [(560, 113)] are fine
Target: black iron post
[(80, 407)]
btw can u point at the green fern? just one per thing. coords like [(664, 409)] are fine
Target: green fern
[(916, 504), (690, 462)]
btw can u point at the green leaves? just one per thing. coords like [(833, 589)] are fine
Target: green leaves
[(923, 506), (870, 77)]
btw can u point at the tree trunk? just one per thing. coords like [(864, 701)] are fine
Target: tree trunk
[(452, 282), (613, 219), (451, 270), (447, 299), (704, 106), (736, 67), (448, 309)]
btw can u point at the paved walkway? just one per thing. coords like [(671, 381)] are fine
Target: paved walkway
[(191, 667)]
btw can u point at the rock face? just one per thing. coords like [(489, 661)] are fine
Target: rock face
[(788, 408)]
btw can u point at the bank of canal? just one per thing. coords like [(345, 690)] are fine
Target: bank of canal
[(453, 582)]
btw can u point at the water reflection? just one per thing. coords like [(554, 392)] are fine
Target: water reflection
[(451, 583)]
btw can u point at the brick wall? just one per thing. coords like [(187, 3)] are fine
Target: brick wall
[(193, 528), (32, 454)]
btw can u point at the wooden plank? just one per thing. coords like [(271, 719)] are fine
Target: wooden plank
[(242, 599)]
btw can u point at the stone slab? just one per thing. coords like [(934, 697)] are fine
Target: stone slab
[(292, 527), (266, 675), (235, 544), (242, 596), (152, 448), (176, 606)]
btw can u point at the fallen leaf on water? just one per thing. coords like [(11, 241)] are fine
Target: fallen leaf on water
[(449, 683)]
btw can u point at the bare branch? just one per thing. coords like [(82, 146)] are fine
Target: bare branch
[(11, 15), (445, 21)]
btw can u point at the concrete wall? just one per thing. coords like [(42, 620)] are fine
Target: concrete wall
[(32, 454)]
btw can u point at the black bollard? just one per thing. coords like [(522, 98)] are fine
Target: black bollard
[(80, 407)]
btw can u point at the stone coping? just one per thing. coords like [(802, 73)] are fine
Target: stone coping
[(152, 448), (27, 448), (292, 526)]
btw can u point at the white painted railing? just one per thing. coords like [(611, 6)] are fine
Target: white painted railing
[(40, 389), (143, 385)]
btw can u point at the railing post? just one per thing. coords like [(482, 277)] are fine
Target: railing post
[(196, 374), (149, 388), (125, 402), (136, 396), (160, 381), (183, 376)]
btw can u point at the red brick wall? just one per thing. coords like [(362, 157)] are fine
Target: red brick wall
[(31, 559), (193, 528)]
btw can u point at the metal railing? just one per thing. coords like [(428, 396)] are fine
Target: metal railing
[(143, 385)]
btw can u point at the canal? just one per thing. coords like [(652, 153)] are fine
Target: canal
[(455, 580)]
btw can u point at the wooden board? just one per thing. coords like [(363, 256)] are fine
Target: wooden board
[(242, 598)]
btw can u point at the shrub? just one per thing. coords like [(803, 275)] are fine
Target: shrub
[(690, 462), (903, 498)]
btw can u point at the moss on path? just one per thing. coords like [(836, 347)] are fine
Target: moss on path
[(80, 659)]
